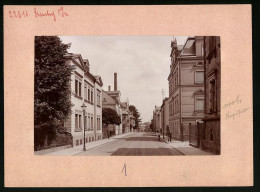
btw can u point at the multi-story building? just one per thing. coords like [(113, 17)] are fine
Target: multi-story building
[(85, 88), (126, 117), (111, 99), (156, 119), (186, 86), (165, 116), (211, 136)]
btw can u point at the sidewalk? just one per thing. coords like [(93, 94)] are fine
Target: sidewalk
[(184, 147), (79, 149)]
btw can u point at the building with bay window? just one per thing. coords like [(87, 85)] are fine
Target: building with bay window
[(85, 88), (186, 86)]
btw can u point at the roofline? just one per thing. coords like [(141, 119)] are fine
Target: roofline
[(186, 43)]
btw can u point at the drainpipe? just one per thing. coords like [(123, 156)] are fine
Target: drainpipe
[(95, 109), (180, 98)]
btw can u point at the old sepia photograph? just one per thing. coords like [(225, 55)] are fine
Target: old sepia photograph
[(127, 95)]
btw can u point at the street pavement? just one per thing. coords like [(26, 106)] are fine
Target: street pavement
[(133, 144)]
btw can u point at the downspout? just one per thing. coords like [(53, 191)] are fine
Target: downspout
[(204, 57), (95, 108), (180, 98), (202, 134)]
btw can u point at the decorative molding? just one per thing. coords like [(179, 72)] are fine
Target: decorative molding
[(78, 74)]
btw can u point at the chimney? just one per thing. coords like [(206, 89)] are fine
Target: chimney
[(115, 81), (109, 88)]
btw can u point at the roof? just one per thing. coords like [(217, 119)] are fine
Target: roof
[(83, 64), (189, 47)]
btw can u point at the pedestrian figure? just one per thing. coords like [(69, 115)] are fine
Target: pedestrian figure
[(170, 136)]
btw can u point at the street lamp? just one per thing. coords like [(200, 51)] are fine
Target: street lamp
[(83, 107)]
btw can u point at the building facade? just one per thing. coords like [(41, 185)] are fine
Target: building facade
[(156, 119), (165, 116), (127, 118), (85, 88), (186, 86), (111, 99), (211, 135)]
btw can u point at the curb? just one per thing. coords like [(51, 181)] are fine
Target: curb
[(175, 148), (92, 148), (111, 140), (178, 150)]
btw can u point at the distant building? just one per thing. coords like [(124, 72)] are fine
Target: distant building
[(186, 86), (85, 88), (165, 116), (111, 99), (156, 119), (211, 136), (125, 117)]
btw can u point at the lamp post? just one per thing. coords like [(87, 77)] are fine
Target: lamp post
[(83, 107)]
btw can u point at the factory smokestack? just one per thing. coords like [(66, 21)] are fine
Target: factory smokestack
[(109, 88), (115, 81)]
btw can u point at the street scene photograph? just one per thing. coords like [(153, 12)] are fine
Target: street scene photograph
[(127, 95)]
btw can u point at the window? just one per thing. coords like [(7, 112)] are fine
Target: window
[(91, 95), (76, 121), (88, 93), (91, 123), (213, 96), (85, 122), (199, 77), (79, 89), (199, 104), (98, 123), (76, 87), (80, 122)]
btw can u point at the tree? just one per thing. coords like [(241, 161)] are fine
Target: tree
[(110, 116), (51, 87), (136, 114)]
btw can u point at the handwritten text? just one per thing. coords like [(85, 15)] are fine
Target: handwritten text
[(39, 13)]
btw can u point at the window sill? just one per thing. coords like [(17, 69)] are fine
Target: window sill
[(197, 83), (79, 97), (199, 111), (90, 102)]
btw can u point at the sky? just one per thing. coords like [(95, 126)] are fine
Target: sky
[(142, 64)]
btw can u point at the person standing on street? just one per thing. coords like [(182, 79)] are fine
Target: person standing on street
[(170, 136)]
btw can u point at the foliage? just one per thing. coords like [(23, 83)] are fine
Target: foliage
[(110, 116), (136, 114), (51, 87)]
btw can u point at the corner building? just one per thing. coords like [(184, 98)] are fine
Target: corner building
[(85, 88), (186, 86)]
